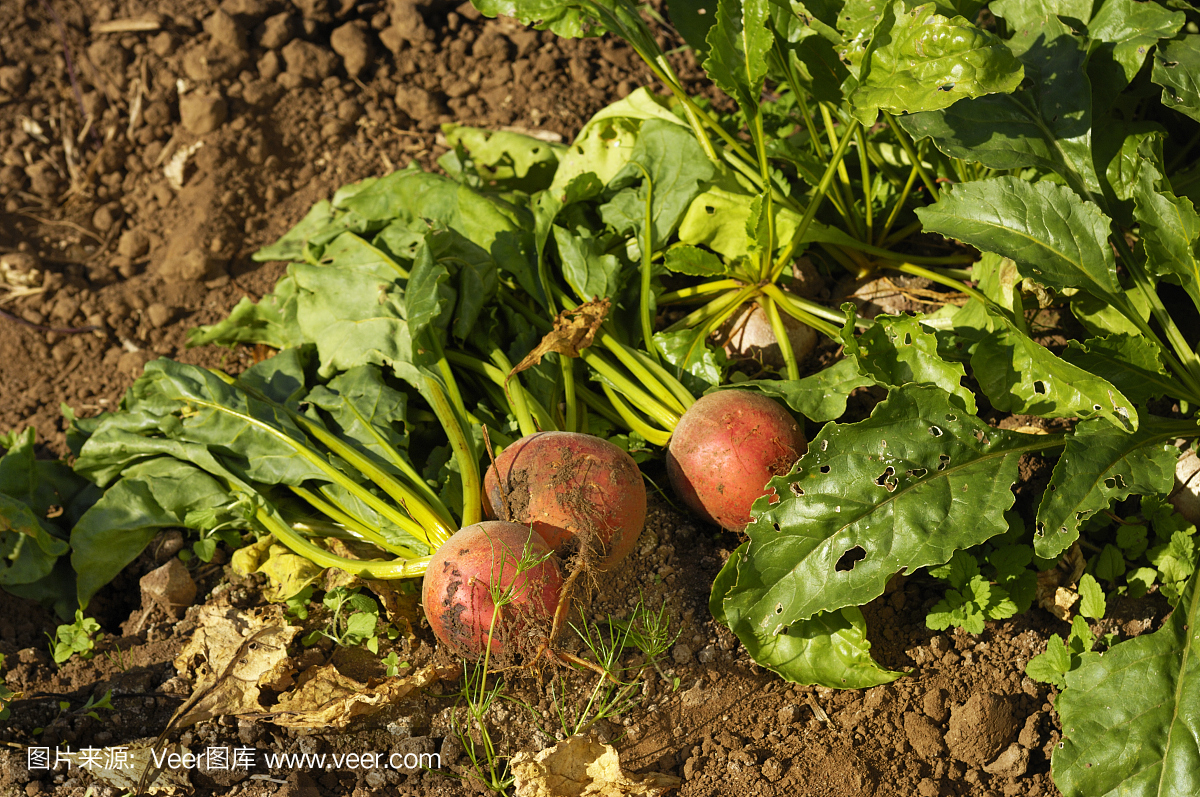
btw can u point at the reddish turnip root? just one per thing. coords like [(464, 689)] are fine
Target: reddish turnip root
[(1186, 495), (570, 487), (726, 448), (457, 593)]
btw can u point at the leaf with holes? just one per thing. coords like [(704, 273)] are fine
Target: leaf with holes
[(918, 60), (830, 649), (1177, 70), (906, 488), (1020, 375), (1101, 465), (1129, 714), (898, 350)]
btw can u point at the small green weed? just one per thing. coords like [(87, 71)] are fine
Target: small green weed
[(78, 637)]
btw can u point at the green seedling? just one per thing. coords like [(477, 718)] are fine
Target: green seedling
[(78, 637)]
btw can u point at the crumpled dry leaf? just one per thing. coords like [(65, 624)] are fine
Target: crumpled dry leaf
[(574, 330), (287, 573), (324, 698), (1053, 585), (583, 767), (131, 760), (235, 654)]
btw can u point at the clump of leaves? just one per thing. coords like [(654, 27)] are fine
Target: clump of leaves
[(1062, 657), (74, 638), (393, 664), (354, 619)]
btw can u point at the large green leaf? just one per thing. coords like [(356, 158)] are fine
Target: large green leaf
[(39, 500), (738, 44), (564, 17), (27, 549), (270, 321), (1047, 123), (1177, 70), (355, 318), (819, 397), (1131, 29), (501, 157), (1101, 465), (919, 60), (898, 350), (1131, 714), (1052, 234), (830, 649), (1131, 364), (676, 165), (258, 439), (1170, 234), (918, 480), (1021, 376), (367, 412), (586, 266), (1037, 13)]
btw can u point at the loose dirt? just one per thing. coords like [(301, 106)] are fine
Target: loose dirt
[(146, 149)]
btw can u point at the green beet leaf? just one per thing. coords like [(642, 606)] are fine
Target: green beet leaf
[(500, 158), (1101, 465), (1131, 364), (676, 166), (693, 261), (1047, 123), (1170, 235), (367, 412), (151, 495), (919, 60), (738, 44), (819, 397), (898, 350), (903, 489), (1131, 29), (830, 649), (1036, 13), (1052, 234), (1129, 714), (1021, 376), (1177, 70)]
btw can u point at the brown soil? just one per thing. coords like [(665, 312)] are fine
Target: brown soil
[(286, 100)]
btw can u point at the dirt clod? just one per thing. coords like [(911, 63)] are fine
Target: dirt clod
[(981, 728), (170, 586), (202, 113), (923, 735)]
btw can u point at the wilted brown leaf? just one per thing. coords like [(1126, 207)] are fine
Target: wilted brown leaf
[(324, 698), (583, 767), (574, 330), (234, 654)]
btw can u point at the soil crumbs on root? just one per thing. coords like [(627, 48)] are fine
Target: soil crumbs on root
[(281, 104)]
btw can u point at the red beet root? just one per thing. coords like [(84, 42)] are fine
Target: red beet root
[(570, 485), (456, 595), (726, 448)]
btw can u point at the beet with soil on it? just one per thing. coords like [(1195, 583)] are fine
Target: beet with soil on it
[(726, 448), (456, 591), (570, 487)]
